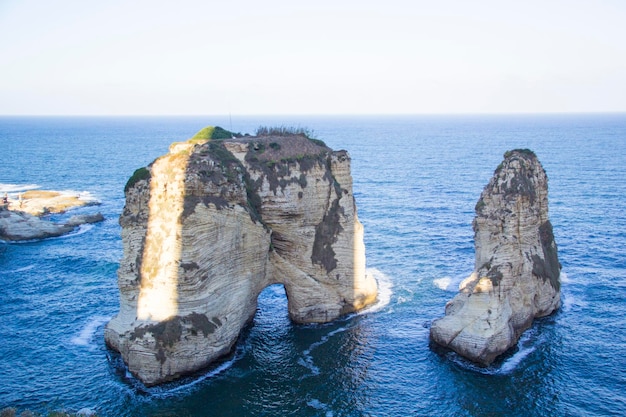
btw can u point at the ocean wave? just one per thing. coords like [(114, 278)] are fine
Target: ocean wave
[(570, 301), (185, 384), (307, 359), (384, 291), (526, 345), (15, 271), (448, 283), (442, 283), (85, 196), (83, 228), (16, 188), (87, 333), (189, 383), (318, 405), (511, 363), (307, 362)]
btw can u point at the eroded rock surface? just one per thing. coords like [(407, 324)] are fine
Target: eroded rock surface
[(211, 224), (516, 273)]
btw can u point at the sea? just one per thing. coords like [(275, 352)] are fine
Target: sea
[(416, 182)]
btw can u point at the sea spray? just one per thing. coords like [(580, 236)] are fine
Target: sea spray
[(86, 335)]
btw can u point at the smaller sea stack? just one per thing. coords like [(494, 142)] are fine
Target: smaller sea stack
[(516, 272)]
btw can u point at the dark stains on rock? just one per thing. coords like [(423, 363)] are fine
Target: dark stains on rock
[(495, 276), (327, 231), (189, 266), (480, 205), (278, 173), (326, 235), (166, 334), (213, 163), (548, 268), (275, 156), (169, 332), (200, 322), (520, 184), (253, 199), (191, 202)]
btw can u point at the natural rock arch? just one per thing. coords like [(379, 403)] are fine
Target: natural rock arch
[(211, 224)]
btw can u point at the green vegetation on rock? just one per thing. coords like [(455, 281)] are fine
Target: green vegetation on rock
[(283, 131), (526, 152), (288, 131), (214, 132), (139, 174)]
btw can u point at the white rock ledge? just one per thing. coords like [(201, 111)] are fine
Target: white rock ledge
[(21, 219)]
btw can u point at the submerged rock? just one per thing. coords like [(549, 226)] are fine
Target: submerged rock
[(212, 223), (16, 225), (516, 273)]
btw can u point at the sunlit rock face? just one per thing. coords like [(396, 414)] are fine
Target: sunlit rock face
[(211, 224), (516, 273)]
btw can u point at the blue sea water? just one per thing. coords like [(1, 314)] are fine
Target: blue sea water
[(416, 181)]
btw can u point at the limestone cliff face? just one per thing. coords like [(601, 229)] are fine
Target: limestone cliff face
[(211, 224), (516, 273)]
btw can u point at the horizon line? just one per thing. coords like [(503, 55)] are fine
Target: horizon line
[(525, 113)]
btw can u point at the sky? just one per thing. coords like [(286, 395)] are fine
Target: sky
[(283, 57)]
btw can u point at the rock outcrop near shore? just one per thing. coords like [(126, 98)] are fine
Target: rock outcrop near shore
[(21, 219), (516, 273), (212, 223)]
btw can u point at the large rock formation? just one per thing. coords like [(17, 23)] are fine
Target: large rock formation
[(209, 225), (516, 273)]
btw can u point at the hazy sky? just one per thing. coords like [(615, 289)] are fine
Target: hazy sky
[(311, 57)]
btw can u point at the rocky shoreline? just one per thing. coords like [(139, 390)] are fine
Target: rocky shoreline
[(23, 217)]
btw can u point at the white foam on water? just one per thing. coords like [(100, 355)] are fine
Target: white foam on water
[(85, 196), (83, 228), (16, 188), (511, 363), (526, 346), (307, 359), (162, 392), (318, 405), (384, 291), (15, 271), (563, 276), (307, 362), (442, 283), (569, 301), (450, 284), (402, 300), (87, 333), (86, 411)]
